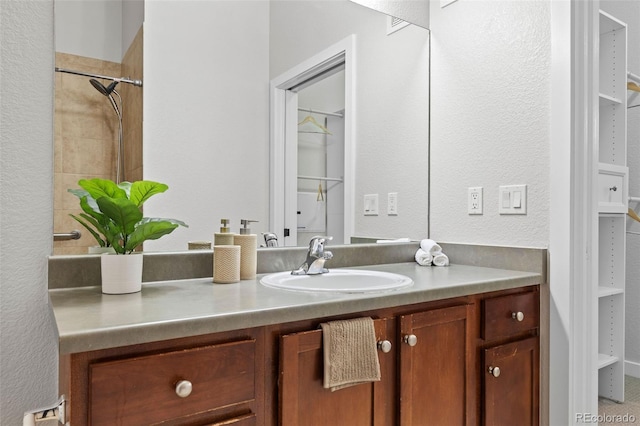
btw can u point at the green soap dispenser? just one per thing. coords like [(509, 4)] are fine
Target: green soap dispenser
[(224, 237)]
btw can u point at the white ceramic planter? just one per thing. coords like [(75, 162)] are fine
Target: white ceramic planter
[(121, 273), (100, 250)]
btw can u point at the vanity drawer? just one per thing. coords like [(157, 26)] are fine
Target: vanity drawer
[(144, 390), (505, 316)]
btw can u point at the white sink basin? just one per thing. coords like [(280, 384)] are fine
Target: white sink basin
[(338, 281)]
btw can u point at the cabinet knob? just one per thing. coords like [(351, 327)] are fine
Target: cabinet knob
[(384, 346), (518, 316), (410, 339), (184, 388), (613, 188), (494, 371)]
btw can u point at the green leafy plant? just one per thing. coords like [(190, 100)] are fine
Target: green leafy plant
[(112, 213)]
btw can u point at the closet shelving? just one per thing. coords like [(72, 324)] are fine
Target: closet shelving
[(613, 198)]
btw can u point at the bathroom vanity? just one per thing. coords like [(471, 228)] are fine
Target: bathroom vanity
[(460, 346)]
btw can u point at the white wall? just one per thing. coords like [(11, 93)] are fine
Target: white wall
[(392, 103), (89, 28), (206, 112), (132, 20), (28, 343), (629, 12), (490, 118)]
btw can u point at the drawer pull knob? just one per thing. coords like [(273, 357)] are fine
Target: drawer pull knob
[(184, 388), (410, 339), (613, 188), (518, 316), (494, 371), (384, 346)]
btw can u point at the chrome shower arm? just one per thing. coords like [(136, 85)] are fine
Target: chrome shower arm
[(104, 77)]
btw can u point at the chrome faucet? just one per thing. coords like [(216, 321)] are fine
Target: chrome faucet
[(316, 256), (270, 239)]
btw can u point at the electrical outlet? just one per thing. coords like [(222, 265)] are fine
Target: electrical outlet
[(392, 204), (475, 200)]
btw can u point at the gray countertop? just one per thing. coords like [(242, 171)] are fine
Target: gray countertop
[(89, 320)]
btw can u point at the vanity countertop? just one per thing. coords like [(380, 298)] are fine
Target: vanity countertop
[(89, 320)]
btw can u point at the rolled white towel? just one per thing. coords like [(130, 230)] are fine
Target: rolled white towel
[(423, 258), (430, 247), (441, 259)]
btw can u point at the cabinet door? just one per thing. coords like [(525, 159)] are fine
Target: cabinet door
[(511, 393), (435, 373), (304, 401)]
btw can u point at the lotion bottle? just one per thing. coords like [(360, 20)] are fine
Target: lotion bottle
[(248, 243), (224, 237)]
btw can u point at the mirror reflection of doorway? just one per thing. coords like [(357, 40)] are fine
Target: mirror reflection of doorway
[(312, 144), (320, 190)]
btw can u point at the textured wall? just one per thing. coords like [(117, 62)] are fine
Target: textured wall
[(392, 104), (490, 118), (28, 344)]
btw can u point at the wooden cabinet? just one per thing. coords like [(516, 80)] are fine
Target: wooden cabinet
[(510, 359), (435, 371), (207, 380), (304, 401), (441, 369)]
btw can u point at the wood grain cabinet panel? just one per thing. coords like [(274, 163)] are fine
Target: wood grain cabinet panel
[(511, 394), (435, 371), (304, 401), (142, 390), (505, 316)]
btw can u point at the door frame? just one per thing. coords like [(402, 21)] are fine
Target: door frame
[(283, 134)]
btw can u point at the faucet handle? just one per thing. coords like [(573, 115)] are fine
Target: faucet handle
[(321, 238)]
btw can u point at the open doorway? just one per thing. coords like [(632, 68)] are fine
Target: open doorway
[(312, 140)]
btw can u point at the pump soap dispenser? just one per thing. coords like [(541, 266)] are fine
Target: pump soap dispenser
[(224, 237), (248, 250)]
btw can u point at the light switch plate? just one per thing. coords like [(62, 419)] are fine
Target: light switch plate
[(371, 205), (512, 199)]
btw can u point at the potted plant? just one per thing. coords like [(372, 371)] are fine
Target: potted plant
[(112, 213)]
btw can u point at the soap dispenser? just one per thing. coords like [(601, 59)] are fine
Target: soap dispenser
[(224, 237), (248, 243)]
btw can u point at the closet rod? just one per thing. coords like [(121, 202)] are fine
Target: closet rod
[(633, 77), (321, 178), (313, 111)]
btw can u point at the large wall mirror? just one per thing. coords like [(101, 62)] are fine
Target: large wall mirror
[(201, 122)]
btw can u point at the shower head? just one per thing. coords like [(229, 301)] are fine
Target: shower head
[(100, 87)]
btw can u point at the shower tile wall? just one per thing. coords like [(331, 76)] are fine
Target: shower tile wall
[(132, 117), (86, 134)]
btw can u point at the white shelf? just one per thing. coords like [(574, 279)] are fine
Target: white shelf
[(610, 23), (606, 360), (606, 100), (609, 291)]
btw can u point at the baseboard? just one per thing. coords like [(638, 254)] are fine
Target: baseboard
[(632, 369)]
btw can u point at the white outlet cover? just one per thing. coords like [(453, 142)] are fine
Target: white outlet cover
[(474, 204), (392, 204)]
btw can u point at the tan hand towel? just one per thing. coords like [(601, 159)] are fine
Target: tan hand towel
[(350, 353)]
